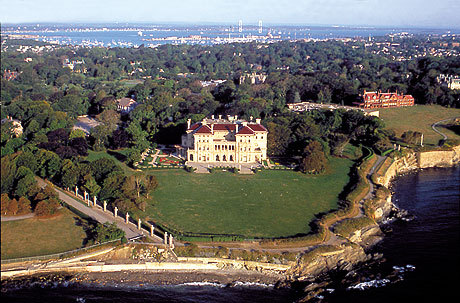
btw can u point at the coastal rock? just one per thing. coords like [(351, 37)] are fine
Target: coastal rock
[(419, 160), (318, 262)]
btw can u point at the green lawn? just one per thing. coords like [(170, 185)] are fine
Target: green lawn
[(37, 237), (419, 118), (267, 204)]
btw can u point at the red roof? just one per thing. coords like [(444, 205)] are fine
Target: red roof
[(204, 129), (195, 126), (257, 127), (225, 127), (245, 131)]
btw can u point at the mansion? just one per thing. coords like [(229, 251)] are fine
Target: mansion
[(225, 140), (383, 100)]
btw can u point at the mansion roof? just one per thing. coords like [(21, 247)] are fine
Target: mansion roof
[(237, 127)]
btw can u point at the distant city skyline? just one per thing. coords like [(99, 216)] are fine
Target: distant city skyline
[(391, 13)]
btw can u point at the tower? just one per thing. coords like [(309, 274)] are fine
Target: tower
[(240, 26), (260, 26)]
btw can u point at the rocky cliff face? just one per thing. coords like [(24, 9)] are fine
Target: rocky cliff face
[(417, 160), (383, 208), (439, 158), (342, 257)]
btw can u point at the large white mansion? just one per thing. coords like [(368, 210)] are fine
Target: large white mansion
[(225, 140)]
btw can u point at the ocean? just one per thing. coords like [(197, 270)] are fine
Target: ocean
[(424, 251), (152, 35)]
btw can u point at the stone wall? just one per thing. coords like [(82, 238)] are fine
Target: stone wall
[(413, 161), (439, 158)]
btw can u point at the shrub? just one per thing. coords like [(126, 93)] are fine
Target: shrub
[(347, 227)]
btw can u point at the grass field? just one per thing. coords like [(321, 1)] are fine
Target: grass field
[(267, 204), (419, 118), (37, 237)]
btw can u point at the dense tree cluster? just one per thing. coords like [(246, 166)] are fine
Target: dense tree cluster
[(47, 97)]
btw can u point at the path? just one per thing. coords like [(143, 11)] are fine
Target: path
[(433, 126), (203, 167), (15, 218), (99, 215), (370, 193), (333, 238)]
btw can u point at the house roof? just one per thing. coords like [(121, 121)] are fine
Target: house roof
[(203, 129), (124, 102), (226, 127), (245, 131), (257, 127)]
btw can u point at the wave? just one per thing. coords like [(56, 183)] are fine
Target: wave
[(233, 284), (202, 284), (370, 284), (251, 284)]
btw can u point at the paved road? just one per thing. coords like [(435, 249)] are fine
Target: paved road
[(99, 215)]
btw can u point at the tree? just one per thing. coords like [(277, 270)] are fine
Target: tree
[(102, 167), (27, 159), (278, 138), (314, 161), (111, 188), (77, 133), (24, 206), (25, 182), (132, 156), (119, 139), (92, 187), (108, 232), (5, 201), (49, 163), (8, 172), (46, 207), (100, 137), (69, 174)]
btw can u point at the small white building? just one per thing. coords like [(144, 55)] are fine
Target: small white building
[(126, 105)]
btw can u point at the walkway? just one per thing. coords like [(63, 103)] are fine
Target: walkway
[(15, 218), (433, 126), (202, 168), (98, 214)]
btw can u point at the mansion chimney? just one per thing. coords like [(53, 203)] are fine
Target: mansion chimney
[(189, 121), (258, 121)]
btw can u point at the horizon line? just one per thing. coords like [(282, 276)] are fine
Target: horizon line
[(4, 24)]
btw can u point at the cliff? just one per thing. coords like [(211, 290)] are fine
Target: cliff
[(325, 258), (417, 160), (439, 158)]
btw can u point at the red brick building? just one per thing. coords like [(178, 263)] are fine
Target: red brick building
[(383, 100)]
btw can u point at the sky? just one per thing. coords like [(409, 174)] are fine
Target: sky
[(393, 13)]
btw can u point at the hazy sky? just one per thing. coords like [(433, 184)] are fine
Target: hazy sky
[(426, 13)]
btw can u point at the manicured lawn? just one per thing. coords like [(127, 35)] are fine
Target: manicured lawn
[(419, 118), (267, 204), (37, 237)]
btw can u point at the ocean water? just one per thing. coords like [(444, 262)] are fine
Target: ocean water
[(424, 251), (430, 242), (130, 36)]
